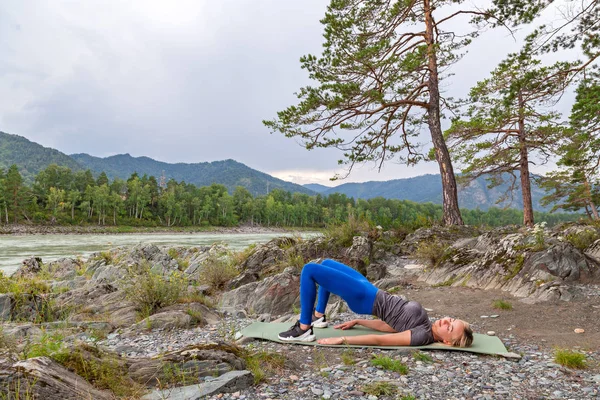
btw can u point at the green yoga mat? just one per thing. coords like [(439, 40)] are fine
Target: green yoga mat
[(482, 344)]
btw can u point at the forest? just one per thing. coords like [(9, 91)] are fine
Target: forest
[(60, 196)]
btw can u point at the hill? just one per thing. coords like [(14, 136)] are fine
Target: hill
[(228, 172), (315, 187), (30, 157), (428, 188)]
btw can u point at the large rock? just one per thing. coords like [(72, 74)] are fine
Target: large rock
[(274, 295), (516, 263), (6, 304), (65, 268), (31, 267), (191, 363), (42, 378), (229, 382)]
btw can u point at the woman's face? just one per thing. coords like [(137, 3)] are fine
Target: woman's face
[(448, 329)]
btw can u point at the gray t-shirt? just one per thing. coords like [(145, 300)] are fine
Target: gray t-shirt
[(404, 315)]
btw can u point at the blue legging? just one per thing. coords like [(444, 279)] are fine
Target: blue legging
[(337, 278)]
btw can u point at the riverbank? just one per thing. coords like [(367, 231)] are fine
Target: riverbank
[(20, 229)]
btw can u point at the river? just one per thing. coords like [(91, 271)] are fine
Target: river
[(14, 249)]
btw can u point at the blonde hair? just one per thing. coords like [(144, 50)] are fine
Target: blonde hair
[(466, 339)]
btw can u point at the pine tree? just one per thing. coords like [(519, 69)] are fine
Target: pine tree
[(509, 123)]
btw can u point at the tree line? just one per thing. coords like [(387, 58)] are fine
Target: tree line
[(377, 84), (60, 196)]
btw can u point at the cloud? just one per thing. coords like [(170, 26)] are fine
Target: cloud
[(185, 81)]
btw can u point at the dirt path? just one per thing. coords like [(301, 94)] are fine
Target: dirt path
[(547, 324)]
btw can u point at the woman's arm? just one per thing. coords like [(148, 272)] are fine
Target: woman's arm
[(392, 339), (375, 324)]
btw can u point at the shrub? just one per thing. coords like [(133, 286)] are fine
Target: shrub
[(217, 270), (430, 252), (583, 240), (570, 359), (240, 257), (151, 291), (502, 305), (390, 365), (342, 235)]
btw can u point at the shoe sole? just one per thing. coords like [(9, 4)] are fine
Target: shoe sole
[(320, 324), (309, 338)]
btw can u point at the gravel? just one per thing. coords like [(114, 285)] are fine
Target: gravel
[(319, 373)]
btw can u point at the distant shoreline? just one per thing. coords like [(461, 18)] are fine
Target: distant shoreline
[(125, 230)]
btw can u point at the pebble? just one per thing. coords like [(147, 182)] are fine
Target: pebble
[(452, 374)]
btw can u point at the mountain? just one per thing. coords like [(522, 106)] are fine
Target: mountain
[(428, 188), (229, 172), (30, 157), (315, 187)]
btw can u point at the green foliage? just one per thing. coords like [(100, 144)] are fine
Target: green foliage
[(102, 371), (348, 357), (217, 270), (380, 388), (48, 345), (584, 239), (502, 305), (343, 234), (570, 359), (150, 291), (263, 364), (516, 267), (448, 282), (431, 252), (391, 365), (420, 356)]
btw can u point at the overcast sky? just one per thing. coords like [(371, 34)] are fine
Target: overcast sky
[(179, 81)]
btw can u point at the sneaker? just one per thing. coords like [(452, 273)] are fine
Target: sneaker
[(297, 334), (319, 322)]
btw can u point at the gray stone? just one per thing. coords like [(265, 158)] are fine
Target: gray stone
[(227, 383), (43, 378), (6, 302)]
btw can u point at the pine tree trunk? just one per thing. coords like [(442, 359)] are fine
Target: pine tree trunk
[(590, 201), (449, 190), (524, 169)]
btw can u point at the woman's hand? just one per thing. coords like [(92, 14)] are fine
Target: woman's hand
[(332, 340), (346, 325)]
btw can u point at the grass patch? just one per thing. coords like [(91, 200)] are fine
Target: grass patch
[(240, 257), (104, 372), (48, 345), (420, 356), (583, 240), (502, 305), (431, 252), (389, 364), (348, 357), (263, 364), (342, 235), (570, 359), (380, 389), (448, 282), (516, 267)]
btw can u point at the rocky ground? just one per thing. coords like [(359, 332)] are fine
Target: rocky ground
[(554, 291), (338, 373)]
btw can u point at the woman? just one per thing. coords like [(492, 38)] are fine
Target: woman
[(406, 321)]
